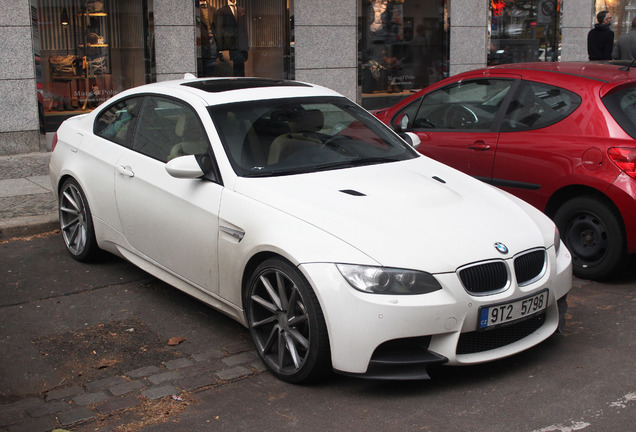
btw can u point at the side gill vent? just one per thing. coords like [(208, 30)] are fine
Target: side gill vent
[(352, 192), (441, 180)]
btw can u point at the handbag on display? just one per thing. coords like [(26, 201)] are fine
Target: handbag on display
[(67, 66), (94, 6)]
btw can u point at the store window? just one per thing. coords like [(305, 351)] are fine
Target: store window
[(245, 38), (403, 47), (86, 51), (623, 13), (524, 31)]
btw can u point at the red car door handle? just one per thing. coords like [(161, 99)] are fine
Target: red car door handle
[(479, 146)]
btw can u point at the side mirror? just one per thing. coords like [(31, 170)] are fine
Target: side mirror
[(401, 123), (412, 139), (184, 167)]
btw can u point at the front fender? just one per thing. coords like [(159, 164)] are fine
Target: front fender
[(248, 227)]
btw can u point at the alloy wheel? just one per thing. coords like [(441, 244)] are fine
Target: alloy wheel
[(279, 322)]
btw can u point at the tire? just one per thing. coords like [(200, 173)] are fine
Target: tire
[(593, 232), (287, 323), (76, 222)]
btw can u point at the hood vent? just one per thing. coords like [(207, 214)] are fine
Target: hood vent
[(352, 192)]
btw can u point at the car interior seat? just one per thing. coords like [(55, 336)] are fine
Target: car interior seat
[(190, 138), (301, 125)]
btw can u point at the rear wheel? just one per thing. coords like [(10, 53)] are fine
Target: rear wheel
[(286, 323), (76, 222), (593, 232)]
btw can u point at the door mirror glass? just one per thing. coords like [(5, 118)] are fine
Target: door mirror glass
[(404, 122)]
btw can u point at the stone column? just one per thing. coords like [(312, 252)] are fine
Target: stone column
[(19, 124), (326, 44), (578, 20), (468, 35), (175, 44)]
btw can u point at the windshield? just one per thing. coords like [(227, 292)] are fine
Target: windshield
[(291, 136)]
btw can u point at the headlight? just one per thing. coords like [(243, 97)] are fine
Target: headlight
[(381, 280), (557, 240)]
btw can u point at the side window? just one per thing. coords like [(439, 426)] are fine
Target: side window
[(167, 129), (470, 105), (115, 123), (538, 105)]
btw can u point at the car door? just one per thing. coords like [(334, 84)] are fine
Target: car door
[(457, 123), (528, 163), (171, 222), (112, 131)]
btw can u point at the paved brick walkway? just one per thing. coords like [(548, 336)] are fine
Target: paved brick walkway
[(28, 207), (27, 204), (174, 379)]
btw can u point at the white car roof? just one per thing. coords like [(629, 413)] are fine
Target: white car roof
[(216, 91)]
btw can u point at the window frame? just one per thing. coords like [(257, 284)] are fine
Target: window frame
[(493, 125), (127, 142), (528, 84)]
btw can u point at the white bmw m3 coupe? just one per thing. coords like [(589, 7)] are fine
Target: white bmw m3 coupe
[(294, 211)]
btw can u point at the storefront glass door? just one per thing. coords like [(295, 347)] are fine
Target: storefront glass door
[(88, 51), (245, 38), (524, 31), (404, 46)]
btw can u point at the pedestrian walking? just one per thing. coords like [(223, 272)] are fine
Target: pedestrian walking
[(625, 47), (600, 39)]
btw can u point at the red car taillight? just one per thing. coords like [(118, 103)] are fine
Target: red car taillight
[(54, 141), (624, 158)]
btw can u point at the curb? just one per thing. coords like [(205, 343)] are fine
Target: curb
[(25, 226)]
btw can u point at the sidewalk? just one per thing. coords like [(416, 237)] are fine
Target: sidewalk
[(27, 204)]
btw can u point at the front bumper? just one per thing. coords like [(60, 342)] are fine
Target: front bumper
[(398, 337)]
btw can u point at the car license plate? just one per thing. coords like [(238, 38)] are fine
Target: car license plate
[(505, 313)]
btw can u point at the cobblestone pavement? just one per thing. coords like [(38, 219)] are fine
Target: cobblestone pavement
[(98, 403), (27, 203), (28, 207), (95, 347)]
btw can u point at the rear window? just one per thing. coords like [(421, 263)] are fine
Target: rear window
[(622, 106), (536, 105)]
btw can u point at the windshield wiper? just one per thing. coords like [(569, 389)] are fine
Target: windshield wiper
[(355, 163), (323, 167)]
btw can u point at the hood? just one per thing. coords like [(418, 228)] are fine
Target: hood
[(416, 214), (601, 27)]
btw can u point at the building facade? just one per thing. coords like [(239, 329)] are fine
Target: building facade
[(59, 58)]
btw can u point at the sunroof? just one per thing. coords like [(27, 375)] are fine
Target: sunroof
[(222, 85)]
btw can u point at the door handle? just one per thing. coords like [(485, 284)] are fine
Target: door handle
[(125, 170), (479, 146)]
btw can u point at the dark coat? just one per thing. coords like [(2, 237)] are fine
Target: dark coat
[(600, 41), (230, 33), (625, 47)]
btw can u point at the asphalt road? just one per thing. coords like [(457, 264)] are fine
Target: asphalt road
[(65, 326)]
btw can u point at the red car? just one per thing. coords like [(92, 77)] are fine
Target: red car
[(561, 136)]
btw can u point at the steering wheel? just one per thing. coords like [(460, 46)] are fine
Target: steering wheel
[(459, 117)]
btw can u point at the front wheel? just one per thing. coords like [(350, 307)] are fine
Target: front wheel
[(76, 222), (593, 232), (286, 323)]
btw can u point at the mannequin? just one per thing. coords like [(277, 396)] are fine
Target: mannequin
[(209, 51), (230, 31), (379, 7)]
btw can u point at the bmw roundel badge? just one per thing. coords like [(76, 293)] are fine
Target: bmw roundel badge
[(501, 248)]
